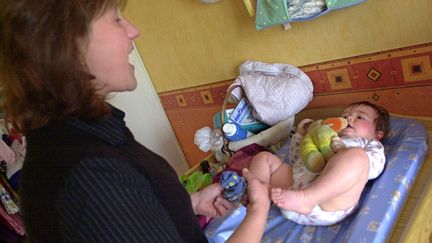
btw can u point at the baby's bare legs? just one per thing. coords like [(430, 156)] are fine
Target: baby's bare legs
[(338, 187), (270, 170)]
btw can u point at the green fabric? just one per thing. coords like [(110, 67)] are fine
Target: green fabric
[(270, 13), (275, 12), (335, 4), (197, 181)]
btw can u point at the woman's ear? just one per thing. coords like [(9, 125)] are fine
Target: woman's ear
[(380, 135)]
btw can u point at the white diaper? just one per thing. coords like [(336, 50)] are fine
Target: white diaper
[(318, 217)]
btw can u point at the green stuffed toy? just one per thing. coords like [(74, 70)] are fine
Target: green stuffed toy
[(315, 147), (196, 181)]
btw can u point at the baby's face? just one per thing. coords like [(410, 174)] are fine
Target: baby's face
[(361, 122)]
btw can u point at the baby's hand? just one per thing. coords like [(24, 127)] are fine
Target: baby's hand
[(303, 126), (337, 144)]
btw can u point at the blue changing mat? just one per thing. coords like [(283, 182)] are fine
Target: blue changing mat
[(380, 203)]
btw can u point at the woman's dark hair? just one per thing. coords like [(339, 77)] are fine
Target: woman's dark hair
[(382, 122), (43, 74)]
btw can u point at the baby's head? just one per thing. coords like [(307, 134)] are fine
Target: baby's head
[(366, 120)]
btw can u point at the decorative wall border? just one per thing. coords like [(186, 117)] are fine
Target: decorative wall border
[(396, 68)]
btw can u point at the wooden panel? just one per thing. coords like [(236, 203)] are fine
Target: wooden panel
[(185, 123), (415, 222)]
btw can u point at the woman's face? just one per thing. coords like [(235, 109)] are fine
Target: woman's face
[(107, 56)]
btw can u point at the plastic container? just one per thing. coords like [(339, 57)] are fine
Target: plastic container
[(243, 112), (234, 132), (251, 124)]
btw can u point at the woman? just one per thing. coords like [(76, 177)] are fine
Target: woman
[(85, 178)]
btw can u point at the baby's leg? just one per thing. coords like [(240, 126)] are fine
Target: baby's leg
[(337, 188), (269, 169)]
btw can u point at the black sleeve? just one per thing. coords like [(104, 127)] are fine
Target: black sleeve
[(105, 200)]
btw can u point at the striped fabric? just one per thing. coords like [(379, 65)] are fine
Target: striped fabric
[(100, 185), (119, 204)]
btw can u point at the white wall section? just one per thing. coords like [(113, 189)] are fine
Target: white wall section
[(146, 117)]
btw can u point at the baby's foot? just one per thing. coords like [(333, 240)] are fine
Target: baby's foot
[(291, 200)]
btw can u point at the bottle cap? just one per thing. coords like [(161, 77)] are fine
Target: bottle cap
[(229, 129)]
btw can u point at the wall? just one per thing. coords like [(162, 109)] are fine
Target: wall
[(192, 52), (399, 80), (187, 43), (148, 121)]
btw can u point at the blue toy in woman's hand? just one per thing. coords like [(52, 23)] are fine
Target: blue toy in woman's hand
[(233, 184)]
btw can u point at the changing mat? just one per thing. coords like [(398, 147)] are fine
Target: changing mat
[(379, 206)]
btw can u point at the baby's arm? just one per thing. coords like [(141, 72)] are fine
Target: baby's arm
[(376, 156), (337, 144), (303, 126)]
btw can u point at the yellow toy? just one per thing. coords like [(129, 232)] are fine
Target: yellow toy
[(315, 147)]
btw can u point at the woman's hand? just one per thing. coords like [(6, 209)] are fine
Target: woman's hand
[(258, 193), (209, 202), (253, 225)]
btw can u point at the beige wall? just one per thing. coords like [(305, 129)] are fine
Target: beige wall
[(186, 43)]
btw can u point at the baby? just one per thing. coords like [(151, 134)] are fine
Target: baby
[(327, 197)]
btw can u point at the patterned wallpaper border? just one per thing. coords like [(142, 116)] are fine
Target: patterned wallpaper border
[(396, 68)]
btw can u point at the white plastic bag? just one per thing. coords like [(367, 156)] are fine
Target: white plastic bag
[(207, 139)]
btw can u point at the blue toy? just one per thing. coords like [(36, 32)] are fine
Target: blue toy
[(233, 184)]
